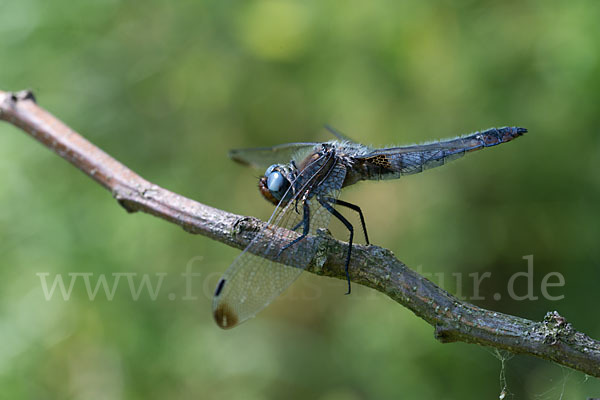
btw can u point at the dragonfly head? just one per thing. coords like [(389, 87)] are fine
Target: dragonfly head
[(275, 184)]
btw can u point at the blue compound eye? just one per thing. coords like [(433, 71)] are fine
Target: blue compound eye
[(270, 169), (277, 184)]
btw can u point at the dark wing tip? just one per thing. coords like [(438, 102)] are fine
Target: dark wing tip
[(235, 156), (225, 317)]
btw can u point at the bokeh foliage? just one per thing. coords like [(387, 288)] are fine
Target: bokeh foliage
[(168, 87)]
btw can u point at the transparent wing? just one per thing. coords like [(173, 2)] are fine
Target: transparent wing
[(262, 157), (397, 161), (255, 279), (339, 134)]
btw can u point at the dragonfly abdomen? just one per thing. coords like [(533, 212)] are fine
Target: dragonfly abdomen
[(394, 162)]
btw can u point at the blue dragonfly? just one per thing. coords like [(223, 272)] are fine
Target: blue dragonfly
[(304, 181)]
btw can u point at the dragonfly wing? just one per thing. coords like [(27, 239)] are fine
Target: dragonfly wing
[(260, 274), (262, 157), (397, 161), (339, 134)]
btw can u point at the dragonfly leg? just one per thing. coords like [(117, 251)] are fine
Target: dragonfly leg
[(349, 226), (298, 225), (352, 207), (305, 222), (297, 212)]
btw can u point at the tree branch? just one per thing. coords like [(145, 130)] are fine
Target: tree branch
[(454, 320)]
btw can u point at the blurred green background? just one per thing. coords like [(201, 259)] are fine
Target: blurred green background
[(168, 87)]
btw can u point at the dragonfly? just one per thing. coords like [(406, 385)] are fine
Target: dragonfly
[(304, 181)]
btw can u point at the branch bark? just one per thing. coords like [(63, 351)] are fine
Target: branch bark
[(454, 320)]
